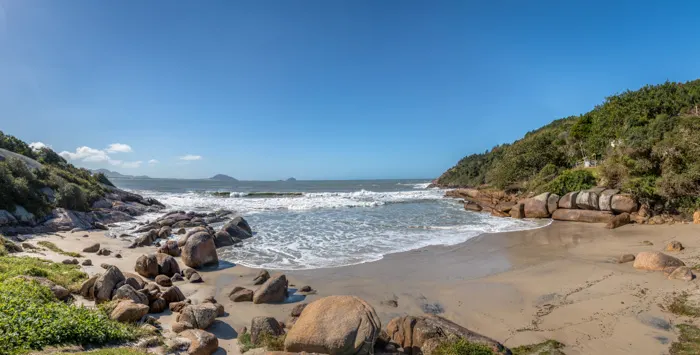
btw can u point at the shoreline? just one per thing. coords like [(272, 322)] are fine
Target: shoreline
[(555, 282)]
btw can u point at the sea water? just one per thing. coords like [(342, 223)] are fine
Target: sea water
[(319, 224)]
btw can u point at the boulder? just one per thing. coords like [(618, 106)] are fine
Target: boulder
[(605, 199), (163, 280), (195, 278), (7, 219), (335, 325), (183, 240), (128, 312), (419, 335), (71, 262), (104, 252), (682, 273), (200, 250), (623, 203), (87, 287), (273, 290), (201, 342), (92, 249), (223, 239), (552, 203), (518, 211), (167, 265), (618, 221), (188, 272), (674, 246), (656, 261), (147, 266), (134, 280), (200, 316), (106, 283), (568, 201), (181, 231), (178, 306), (241, 294), (625, 258), (177, 278), (241, 223), (164, 232), (472, 206), (170, 247), (262, 276), (23, 216), (587, 199), (587, 216), (696, 217), (87, 262), (60, 292), (127, 292), (536, 207), (173, 294), (296, 311), (158, 306), (262, 326), (147, 239)]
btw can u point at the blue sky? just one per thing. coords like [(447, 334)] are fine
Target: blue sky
[(319, 89)]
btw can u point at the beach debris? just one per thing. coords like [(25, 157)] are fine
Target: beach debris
[(625, 258), (674, 246), (646, 242), (263, 276), (201, 342), (335, 325), (273, 290), (655, 261), (92, 249), (241, 294)]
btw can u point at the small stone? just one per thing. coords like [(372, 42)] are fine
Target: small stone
[(104, 252), (105, 266), (390, 303), (682, 273), (92, 249), (674, 246), (118, 256), (263, 276), (195, 278), (164, 281), (305, 289), (87, 262), (71, 262), (240, 294), (625, 258), (177, 278)]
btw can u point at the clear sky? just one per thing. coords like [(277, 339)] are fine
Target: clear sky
[(320, 89)]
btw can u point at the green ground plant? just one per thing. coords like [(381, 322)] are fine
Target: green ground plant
[(53, 247), (688, 342), (462, 347)]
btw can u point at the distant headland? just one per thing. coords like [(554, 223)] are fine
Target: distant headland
[(222, 177)]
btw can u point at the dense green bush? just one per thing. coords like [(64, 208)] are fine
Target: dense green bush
[(72, 197), (31, 318), (571, 180), (462, 347)]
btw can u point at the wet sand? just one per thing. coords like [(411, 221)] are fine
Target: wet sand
[(557, 282)]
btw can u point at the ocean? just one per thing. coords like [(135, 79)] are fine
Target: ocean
[(302, 225)]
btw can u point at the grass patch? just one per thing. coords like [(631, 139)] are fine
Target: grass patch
[(7, 246), (462, 347), (68, 276), (680, 306), (245, 342), (53, 247), (688, 342), (31, 318), (549, 347), (267, 341)]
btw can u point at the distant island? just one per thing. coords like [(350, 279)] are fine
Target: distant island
[(114, 174), (222, 177), (291, 179)]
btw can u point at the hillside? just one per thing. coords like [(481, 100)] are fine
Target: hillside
[(644, 142), (222, 177)]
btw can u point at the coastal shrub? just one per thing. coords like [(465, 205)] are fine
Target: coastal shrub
[(15, 145), (549, 347), (571, 180), (7, 246), (31, 318), (102, 178), (688, 342), (53, 247), (72, 197), (462, 347), (68, 276)]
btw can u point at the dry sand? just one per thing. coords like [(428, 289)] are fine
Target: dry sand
[(557, 282)]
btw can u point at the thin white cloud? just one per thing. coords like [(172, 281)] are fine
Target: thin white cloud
[(131, 164), (190, 157), (153, 162), (87, 154), (38, 145), (118, 148)]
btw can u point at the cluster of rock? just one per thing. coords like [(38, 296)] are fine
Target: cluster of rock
[(115, 206), (596, 205), (349, 325), (672, 267), (273, 289)]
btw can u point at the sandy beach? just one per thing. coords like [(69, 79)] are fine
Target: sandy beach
[(557, 282)]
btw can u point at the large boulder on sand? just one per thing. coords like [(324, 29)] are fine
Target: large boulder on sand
[(147, 266), (656, 261), (618, 221), (199, 250), (517, 211), (419, 335), (536, 207), (568, 201), (128, 312), (201, 342), (623, 203), (335, 325), (199, 316), (587, 216), (273, 290), (127, 292), (105, 284), (167, 265), (173, 294), (261, 326), (587, 199), (552, 203), (605, 199)]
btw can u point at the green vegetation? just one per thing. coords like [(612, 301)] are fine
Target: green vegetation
[(679, 305), (267, 341), (113, 351), (644, 140), (75, 188), (31, 318), (53, 247), (7, 246), (688, 342), (68, 276), (549, 347), (245, 342), (462, 347)]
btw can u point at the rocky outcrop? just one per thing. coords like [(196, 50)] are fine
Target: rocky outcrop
[(568, 201), (552, 203), (264, 326), (335, 325), (233, 232), (419, 335), (623, 203), (517, 211), (656, 261), (199, 250), (273, 290), (472, 206), (163, 280), (588, 199), (201, 342), (536, 207), (605, 199), (588, 216)]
